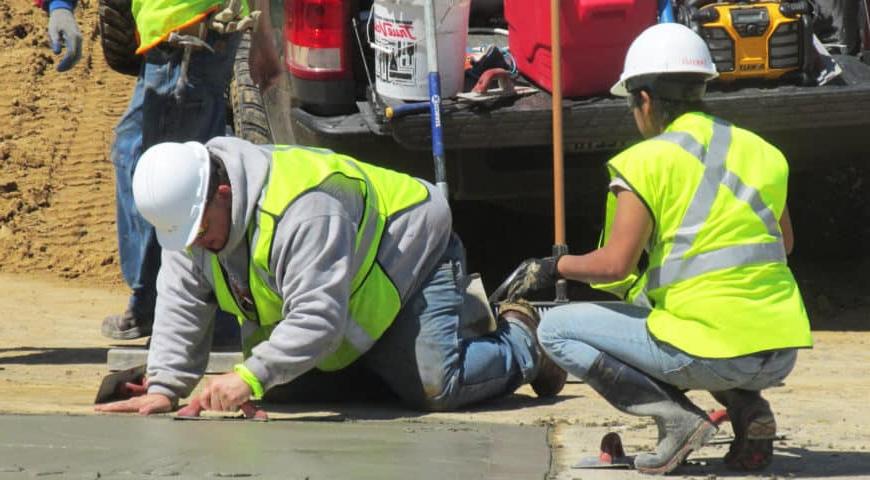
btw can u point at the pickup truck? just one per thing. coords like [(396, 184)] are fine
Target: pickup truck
[(334, 106), (499, 154)]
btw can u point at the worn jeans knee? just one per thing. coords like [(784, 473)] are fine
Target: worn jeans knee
[(574, 335), (426, 361)]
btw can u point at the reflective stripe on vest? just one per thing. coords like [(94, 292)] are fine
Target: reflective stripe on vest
[(675, 267), (374, 301), (156, 19)]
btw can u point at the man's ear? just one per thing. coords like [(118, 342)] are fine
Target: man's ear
[(645, 102)]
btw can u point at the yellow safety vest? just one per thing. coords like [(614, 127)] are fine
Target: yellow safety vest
[(156, 19), (374, 301), (717, 278)]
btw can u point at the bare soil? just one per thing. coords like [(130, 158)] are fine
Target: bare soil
[(56, 178), (59, 276)]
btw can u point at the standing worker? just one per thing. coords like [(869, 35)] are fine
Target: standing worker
[(836, 22), (327, 262), (717, 307), (63, 31), (189, 47)]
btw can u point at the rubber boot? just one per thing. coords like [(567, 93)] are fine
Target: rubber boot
[(754, 429), (682, 427)]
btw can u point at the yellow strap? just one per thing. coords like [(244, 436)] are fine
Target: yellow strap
[(251, 379)]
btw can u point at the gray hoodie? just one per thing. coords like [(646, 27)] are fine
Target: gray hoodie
[(313, 263)]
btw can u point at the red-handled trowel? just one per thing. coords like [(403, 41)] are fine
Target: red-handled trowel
[(122, 385)]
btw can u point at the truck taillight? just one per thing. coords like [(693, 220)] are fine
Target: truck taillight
[(317, 33)]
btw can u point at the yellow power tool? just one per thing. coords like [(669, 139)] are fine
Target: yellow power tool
[(756, 39)]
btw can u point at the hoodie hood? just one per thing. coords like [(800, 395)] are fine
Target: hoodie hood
[(247, 167)]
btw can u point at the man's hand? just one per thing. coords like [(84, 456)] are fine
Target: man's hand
[(225, 393), (533, 274), (64, 32), (144, 405)]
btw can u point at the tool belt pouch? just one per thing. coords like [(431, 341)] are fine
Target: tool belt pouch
[(118, 36)]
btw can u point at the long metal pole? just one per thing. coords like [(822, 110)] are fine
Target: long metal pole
[(559, 245), (865, 37), (435, 97)]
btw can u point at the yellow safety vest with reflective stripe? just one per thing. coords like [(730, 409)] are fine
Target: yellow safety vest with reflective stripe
[(717, 278), (156, 19), (374, 301)]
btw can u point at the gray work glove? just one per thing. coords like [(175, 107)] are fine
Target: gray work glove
[(64, 32), (533, 274), (230, 19)]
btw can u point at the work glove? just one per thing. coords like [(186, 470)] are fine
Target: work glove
[(533, 274), (64, 32), (230, 19)]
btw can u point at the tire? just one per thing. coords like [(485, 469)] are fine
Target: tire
[(249, 118), (118, 36)]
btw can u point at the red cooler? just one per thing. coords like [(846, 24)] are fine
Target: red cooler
[(595, 36)]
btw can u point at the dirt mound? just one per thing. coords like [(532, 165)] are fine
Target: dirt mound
[(57, 209)]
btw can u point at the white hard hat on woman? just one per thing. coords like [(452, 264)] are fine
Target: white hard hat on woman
[(665, 49), (170, 186)]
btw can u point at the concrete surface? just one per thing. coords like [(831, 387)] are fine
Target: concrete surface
[(124, 447)]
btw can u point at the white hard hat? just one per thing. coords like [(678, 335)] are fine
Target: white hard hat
[(170, 186), (665, 48)]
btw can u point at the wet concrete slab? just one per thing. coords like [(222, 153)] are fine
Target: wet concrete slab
[(110, 447)]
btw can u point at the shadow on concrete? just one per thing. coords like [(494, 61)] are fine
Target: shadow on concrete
[(52, 355), (392, 409), (793, 462), (517, 401)]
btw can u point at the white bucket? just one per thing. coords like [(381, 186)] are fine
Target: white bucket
[(401, 68)]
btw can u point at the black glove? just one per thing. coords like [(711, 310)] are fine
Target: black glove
[(533, 274)]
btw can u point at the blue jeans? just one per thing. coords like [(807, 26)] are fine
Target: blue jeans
[(425, 361), (155, 116), (573, 336)]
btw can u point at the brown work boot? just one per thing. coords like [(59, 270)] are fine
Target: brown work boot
[(125, 326), (550, 379), (754, 429)]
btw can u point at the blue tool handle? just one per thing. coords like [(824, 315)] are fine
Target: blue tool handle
[(666, 12), (437, 138)]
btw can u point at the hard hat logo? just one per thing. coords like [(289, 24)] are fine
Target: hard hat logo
[(664, 49), (170, 186), (698, 62)]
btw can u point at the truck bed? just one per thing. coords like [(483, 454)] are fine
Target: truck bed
[(835, 112)]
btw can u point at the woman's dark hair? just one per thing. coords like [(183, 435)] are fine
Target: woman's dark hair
[(218, 175), (671, 95), (665, 111)]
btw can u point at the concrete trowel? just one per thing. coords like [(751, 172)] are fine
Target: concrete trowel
[(122, 385)]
